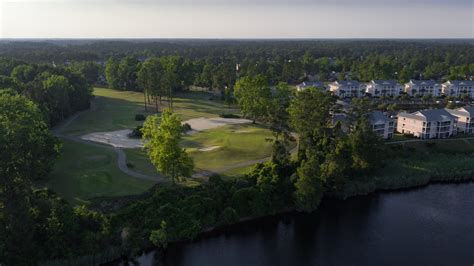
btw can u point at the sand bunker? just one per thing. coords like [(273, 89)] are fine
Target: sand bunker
[(117, 139), (210, 148), (200, 124)]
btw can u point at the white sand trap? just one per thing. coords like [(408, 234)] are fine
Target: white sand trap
[(117, 139), (200, 124), (210, 148)]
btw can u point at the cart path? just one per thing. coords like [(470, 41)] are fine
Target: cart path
[(121, 156)]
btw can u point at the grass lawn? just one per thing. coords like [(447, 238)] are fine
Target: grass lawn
[(237, 143), (83, 172), (117, 109), (444, 146), (140, 161)]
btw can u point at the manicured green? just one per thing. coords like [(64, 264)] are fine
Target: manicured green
[(83, 172), (237, 143)]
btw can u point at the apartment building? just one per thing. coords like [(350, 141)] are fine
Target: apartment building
[(378, 88), (347, 88), (427, 124), (382, 125), (458, 88), (464, 119), (422, 88)]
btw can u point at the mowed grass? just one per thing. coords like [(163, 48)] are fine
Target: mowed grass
[(236, 144), (116, 110), (84, 172)]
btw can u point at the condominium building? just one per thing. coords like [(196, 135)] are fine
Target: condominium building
[(422, 88), (379, 88), (347, 88), (427, 124), (464, 119), (382, 125), (458, 88)]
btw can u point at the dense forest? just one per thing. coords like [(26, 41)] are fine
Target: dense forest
[(217, 63)]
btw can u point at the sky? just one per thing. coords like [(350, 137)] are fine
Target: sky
[(236, 18)]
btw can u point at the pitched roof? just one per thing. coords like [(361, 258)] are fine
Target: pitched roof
[(348, 82), (429, 115), (390, 82), (461, 82), (463, 111), (423, 82), (377, 117), (435, 115)]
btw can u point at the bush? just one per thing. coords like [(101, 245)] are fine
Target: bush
[(136, 133), (186, 127), (140, 117), (229, 115), (229, 216)]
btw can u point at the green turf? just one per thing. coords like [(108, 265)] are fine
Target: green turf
[(83, 172), (117, 109), (237, 143), (139, 161)]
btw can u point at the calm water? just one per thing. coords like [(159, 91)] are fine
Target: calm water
[(429, 226)]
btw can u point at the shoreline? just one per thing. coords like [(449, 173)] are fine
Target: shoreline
[(206, 232)]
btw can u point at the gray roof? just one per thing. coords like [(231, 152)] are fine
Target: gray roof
[(430, 115), (377, 117), (390, 82), (423, 82), (348, 82), (467, 111), (461, 82)]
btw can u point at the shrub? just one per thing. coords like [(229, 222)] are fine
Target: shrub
[(136, 133), (229, 115), (186, 127), (140, 117), (229, 216)]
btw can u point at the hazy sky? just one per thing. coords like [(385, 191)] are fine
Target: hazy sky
[(237, 18)]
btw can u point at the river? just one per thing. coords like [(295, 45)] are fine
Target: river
[(433, 225)]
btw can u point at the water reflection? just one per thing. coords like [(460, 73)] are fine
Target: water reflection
[(429, 226)]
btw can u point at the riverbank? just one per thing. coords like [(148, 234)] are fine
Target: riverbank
[(250, 221)]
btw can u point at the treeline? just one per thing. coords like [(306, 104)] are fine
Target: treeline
[(57, 91), (216, 64)]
